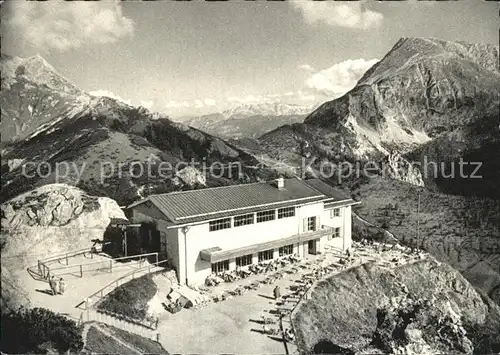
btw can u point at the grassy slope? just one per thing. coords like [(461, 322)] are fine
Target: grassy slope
[(98, 342), (464, 232)]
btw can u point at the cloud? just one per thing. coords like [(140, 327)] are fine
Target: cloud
[(338, 14), (64, 25), (303, 96), (198, 104), (209, 102), (107, 93), (172, 104), (339, 78)]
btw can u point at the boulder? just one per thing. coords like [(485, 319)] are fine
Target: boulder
[(50, 220), (191, 176)]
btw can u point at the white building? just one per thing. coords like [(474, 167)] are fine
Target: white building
[(218, 229)]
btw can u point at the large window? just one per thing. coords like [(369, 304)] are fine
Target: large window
[(266, 255), (243, 220), (286, 212), (220, 267), (311, 224), (286, 250), (335, 212), (266, 216), (244, 260), (220, 224)]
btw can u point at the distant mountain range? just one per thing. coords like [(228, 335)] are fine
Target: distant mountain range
[(249, 120)]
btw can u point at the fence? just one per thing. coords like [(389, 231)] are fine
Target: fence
[(103, 265), (92, 315), (43, 268), (68, 254)]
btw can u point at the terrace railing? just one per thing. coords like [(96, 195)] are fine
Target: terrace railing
[(102, 265), (102, 292)]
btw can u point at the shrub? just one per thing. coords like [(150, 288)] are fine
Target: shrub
[(130, 299), (38, 330)]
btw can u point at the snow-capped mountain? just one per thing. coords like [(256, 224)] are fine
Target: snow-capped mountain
[(37, 70), (267, 109), (34, 95), (250, 120)]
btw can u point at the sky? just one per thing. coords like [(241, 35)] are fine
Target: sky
[(195, 57)]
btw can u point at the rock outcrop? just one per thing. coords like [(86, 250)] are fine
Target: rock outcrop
[(398, 168), (420, 326), (48, 221), (191, 176), (424, 307), (461, 231), (53, 219)]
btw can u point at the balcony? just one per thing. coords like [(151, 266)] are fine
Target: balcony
[(215, 254)]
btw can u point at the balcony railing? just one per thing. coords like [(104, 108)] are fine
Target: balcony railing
[(216, 254)]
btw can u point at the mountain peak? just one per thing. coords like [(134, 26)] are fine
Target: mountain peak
[(410, 50), (36, 70)]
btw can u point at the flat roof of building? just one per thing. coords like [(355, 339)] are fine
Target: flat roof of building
[(192, 206)]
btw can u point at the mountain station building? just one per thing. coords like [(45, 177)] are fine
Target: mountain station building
[(222, 228)]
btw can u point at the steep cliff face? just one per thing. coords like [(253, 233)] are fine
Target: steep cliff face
[(425, 86), (429, 100)]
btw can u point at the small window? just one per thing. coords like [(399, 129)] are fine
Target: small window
[(286, 250), (335, 212), (219, 224), (243, 220), (265, 216), (336, 233), (244, 260), (286, 212), (311, 224), (220, 267), (266, 255)]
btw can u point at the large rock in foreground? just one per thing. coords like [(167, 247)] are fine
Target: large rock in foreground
[(44, 222), (53, 219)]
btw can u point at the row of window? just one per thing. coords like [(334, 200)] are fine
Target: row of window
[(246, 219), (246, 260), (220, 267)]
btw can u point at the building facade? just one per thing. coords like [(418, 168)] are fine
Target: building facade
[(219, 229)]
